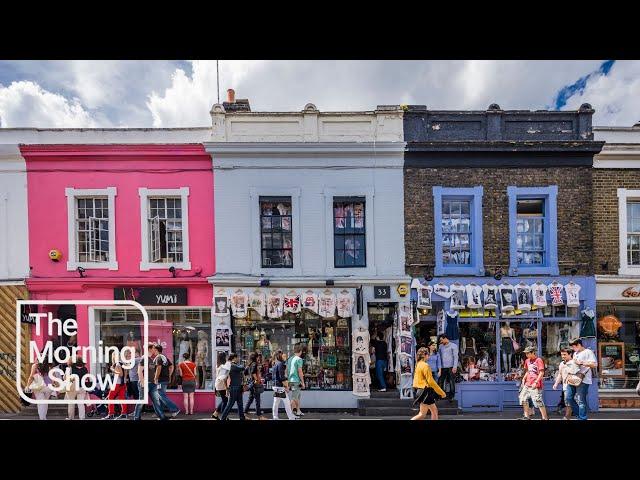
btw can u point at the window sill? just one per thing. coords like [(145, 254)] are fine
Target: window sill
[(145, 266), (520, 270), (450, 270), (629, 270), (71, 266)]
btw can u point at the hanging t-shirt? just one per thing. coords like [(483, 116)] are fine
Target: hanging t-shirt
[(523, 294), (361, 340), (490, 293), (326, 305), (424, 296), (310, 301), (442, 290), (440, 323), (473, 296), (361, 384), (573, 294), (292, 303), (258, 303), (587, 327), (274, 305), (507, 300), (539, 291), (345, 304), (555, 291), (451, 330), (457, 297), (239, 304)]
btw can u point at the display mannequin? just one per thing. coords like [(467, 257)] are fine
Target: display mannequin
[(185, 346), (507, 337), (202, 357), (530, 335), (133, 341), (468, 347)]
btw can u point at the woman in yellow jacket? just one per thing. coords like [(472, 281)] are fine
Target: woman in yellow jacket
[(423, 381)]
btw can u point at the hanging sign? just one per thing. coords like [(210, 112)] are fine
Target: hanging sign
[(152, 296), (402, 289)]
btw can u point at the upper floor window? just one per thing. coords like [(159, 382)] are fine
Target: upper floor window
[(164, 218), (458, 231), (533, 247), (91, 228), (349, 232), (275, 232), (633, 232)]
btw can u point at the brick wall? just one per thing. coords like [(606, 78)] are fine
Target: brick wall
[(605, 210), (575, 227)]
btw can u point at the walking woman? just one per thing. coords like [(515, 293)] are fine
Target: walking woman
[(75, 373), (118, 390), (281, 387), (38, 383), (188, 372), (222, 372), (255, 383), (426, 387)]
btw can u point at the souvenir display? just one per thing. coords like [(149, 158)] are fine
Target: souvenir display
[(457, 296), (523, 295), (310, 301), (404, 317), (440, 323), (292, 302), (345, 304), (274, 304), (507, 300), (424, 296), (539, 294), (587, 328), (361, 341), (406, 385), (221, 304), (327, 304), (442, 290), (406, 345), (572, 290), (609, 325), (451, 320), (361, 385), (473, 295), (239, 302), (555, 291), (257, 302), (223, 340), (406, 365), (361, 363), (490, 292)]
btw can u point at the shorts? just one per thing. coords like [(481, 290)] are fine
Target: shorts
[(428, 396), (535, 394), (295, 390), (188, 386)]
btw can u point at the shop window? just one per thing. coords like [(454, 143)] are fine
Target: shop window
[(91, 228), (276, 232), (477, 348), (458, 230), (533, 230), (349, 232), (629, 231), (633, 233), (327, 344), (619, 348), (514, 338), (555, 337), (179, 331)]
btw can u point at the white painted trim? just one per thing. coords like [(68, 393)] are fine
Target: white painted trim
[(368, 193), (4, 236), (343, 149), (71, 194), (145, 193), (624, 195), (296, 218)]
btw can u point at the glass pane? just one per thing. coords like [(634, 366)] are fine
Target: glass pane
[(478, 351), (524, 334)]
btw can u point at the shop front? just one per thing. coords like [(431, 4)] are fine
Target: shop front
[(493, 321), (618, 314)]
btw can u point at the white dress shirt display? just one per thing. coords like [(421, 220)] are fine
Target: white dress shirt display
[(473, 296)]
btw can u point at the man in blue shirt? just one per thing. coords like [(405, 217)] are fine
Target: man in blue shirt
[(448, 353)]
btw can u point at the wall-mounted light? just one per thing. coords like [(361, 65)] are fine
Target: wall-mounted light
[(264, 283), (172, 269), (81, 272), (498, 274), (605, 265), (428, 273), (574, 270), (329, 283)]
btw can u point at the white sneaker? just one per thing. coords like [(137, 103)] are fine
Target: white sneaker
[(299, 413), (382, 390)]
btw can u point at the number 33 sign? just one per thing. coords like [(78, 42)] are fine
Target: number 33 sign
[(382, 292)]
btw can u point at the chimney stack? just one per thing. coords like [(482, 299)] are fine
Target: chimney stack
[(231, 95)]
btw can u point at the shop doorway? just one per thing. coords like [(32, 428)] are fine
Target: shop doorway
[(382, 319)]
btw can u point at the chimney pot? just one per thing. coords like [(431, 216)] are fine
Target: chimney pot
[(231, 95)]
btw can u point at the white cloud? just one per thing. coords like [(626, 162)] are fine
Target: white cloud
[(26, 104), (615, 97)]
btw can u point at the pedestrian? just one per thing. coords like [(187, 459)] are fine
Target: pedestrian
[(577, 395), (379, 349), (235, 388), (433, 359), (532, 384), (426, 386), (38, 384), (133, 379), (565, 367), (74, 374), (144, 374), (448, 352), (222, 372), (280, 387), (296, 379), (161, 378), (118, 390), (256, 386), (187, 372)]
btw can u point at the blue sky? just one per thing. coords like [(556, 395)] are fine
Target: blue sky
[(180, 93)]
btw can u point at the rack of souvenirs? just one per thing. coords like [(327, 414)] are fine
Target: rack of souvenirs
[(361, 361), (274, 303)]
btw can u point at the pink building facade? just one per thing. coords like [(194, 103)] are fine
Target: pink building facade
[(128, 222)]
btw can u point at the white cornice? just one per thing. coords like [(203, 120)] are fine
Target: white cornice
[(223, 280), (298, 149)]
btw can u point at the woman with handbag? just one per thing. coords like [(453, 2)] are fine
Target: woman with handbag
[(38, 383), (280, 387), (222, 372), (187, 372), (426, 387), (255, 383)]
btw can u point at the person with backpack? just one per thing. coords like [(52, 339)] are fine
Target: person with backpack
[(187, 372), (235, 387), (222, 372), (255, 383), (118, 390), (162, 377), (280, 387)]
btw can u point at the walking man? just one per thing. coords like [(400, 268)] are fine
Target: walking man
[(532, 384), (235, 382), (577, 396), (380, 350), (161, 378), (564, 369), (296, 379), (448, 352)]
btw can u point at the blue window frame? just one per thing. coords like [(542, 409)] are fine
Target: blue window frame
[(458, 230), (533, 230)]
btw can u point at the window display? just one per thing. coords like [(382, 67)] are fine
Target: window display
[(179, 331), (276, 233), (349, 236), (618, 346), (456, 232), (478, 351), (327, 342)]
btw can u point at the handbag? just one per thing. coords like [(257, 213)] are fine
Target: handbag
[(280, 394), (516, 345), (575, 379), (37, 384)]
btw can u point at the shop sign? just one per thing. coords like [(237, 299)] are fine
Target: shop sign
[(380, 291), (168, 297), (25, 310), (631, 292)]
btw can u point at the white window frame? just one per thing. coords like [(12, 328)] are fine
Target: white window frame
[(145, 194), (72, 195), (624, 195)]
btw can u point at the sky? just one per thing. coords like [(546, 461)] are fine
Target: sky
[(48, 94)]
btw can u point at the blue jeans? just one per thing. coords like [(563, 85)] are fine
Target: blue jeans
[(577, 399), (158, 393), (137, 414), (235, 396), (381, 366)]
